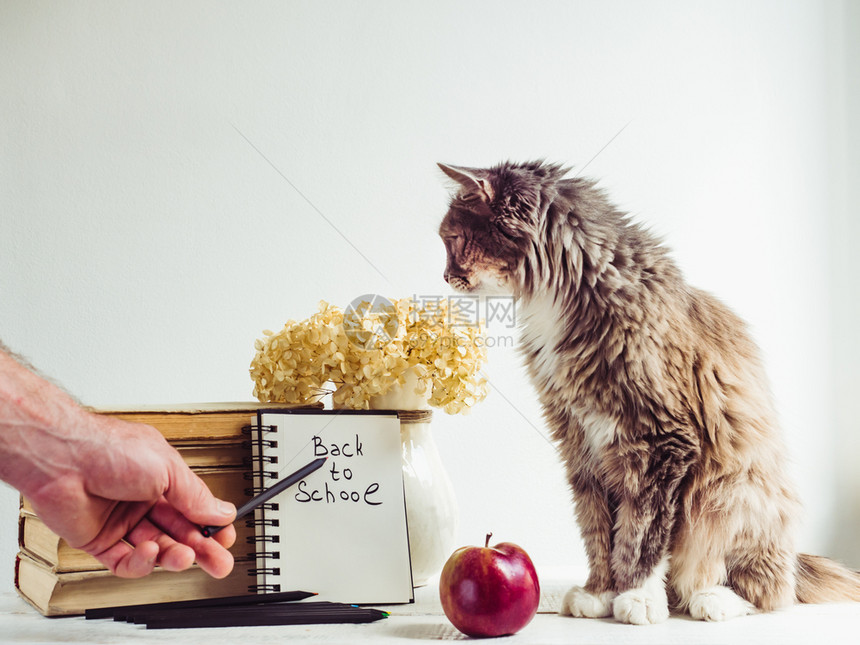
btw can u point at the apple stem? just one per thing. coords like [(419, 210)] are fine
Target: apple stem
[(487, 543)]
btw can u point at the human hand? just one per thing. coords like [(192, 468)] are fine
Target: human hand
[(121, 493), (117, 490)]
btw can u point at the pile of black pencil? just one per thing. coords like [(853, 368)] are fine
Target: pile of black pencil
[(236, 611)]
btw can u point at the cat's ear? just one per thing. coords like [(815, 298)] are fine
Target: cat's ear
[(474, 185)]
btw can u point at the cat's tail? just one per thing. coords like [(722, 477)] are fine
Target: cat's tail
[(821, 580)]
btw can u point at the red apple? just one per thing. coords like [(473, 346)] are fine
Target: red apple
[(489, 591)]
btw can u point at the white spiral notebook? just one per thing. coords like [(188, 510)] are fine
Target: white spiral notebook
[(340, 532)]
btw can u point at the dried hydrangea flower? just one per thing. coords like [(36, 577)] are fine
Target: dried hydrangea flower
[(368, 351)]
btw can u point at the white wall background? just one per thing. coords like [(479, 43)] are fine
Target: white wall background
[(144, 243)]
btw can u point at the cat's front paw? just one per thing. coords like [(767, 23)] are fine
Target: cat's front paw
[(644, 606), (580, 603), (718, 603)]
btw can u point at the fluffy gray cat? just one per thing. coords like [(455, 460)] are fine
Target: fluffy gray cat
[(655, 396)]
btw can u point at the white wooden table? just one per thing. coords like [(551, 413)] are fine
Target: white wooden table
[(424, 621)]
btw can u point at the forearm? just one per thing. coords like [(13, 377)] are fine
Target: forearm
[(44, 434)]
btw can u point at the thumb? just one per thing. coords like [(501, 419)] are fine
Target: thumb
[(189, 495)]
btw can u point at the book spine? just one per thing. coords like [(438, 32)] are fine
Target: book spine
[(262, 472)]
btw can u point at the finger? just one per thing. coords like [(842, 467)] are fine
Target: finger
[(226, 537), (123, 517), (172, 555), (188, 494), (126, 561), (211, 555), (139, 563)]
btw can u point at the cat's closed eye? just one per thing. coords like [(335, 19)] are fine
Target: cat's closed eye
[(452, 241)]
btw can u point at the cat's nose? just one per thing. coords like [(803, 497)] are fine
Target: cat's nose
[(456, 279)]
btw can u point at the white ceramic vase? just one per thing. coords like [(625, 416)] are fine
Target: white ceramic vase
[(432, 513)]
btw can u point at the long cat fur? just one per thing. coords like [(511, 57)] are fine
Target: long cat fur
[(655, 395)]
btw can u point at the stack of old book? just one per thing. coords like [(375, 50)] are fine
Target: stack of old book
[(60, 580)]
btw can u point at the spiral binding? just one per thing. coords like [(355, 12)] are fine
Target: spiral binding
[(266, 443), (264, 588), (273, 539), (266, 555), (259, 443), (265, 474), (260, 459), (262, 522)]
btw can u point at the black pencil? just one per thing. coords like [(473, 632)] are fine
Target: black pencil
[(226, 601), (269, 493), (148, 615), (256, 616)]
